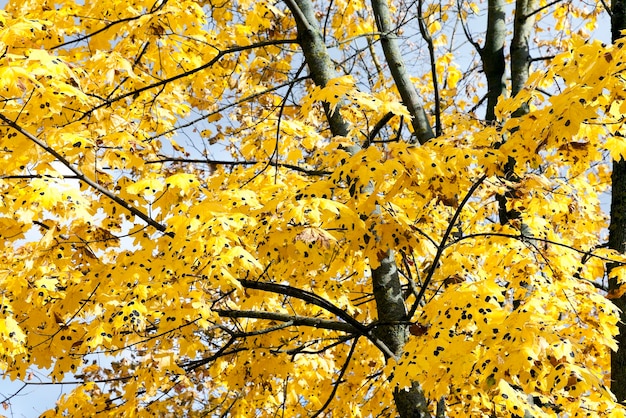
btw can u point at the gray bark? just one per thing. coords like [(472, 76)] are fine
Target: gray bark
[(520, 65), (410, 403), (617, 231), (390, 304), (520, 52), (492, 55), (386, 283), (408, 92), (321, 68)]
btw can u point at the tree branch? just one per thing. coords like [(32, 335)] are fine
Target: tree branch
[(108, 26), (376, 129), (294, 320), (607, 8), (433, 65), (318, 301), (321, 68), (468, 36), (410, 98), (547, 57), (521, 237), (215, 59), (194, 364), (442, 246), (542, 8), (82, 177), (228, 106), (226, 162), (342, 372)]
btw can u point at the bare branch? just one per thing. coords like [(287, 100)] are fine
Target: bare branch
[(433, 65), (215, 59), (442, 246), (295, 320), (226, 162), (468, 36), (318, 301), (80, 175), (542, 8), (339, 378)]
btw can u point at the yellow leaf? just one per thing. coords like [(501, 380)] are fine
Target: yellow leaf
[(616, 145), (334, 91), (183, 181), (146, 187)]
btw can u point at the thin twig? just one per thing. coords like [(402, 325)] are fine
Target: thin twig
[(82, 177), (71, 382), (274, 157), (344, 368), (212, 61), (468, 36), (588, 253), (534, 12), (226, 162), (66, 323), (227, 106), (376, 129), (547, 57), (103, 29), (607, 8), (442, 246), (433, 65)]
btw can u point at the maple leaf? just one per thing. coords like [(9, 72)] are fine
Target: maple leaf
[(312, 235)]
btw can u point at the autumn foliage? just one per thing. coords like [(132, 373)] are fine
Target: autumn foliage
[(185, 230)]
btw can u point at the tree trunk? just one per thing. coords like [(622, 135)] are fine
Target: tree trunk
[(617, 241), (617, 232), (494, 65), (492, 55), (385, 280), (410, 98), (520, 65), (520, 52), (410, 403)]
